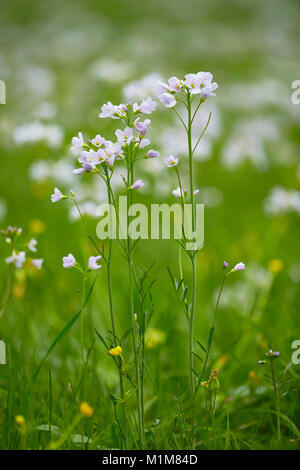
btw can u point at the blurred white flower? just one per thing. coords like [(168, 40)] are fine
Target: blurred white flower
[(282, 201), (38, 132), (112, 71), (18, 259), (32, 245), (57, 195), (136, 90), (38, 263), (77, 143), (86, 208)]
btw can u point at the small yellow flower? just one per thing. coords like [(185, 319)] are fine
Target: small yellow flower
[(115, 351), (20, 420), (18, 291), (252, 375), (155, 337), (36, 226), (86, 409), (275, 266)]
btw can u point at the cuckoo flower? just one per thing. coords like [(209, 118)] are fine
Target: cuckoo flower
[(17, 258), (171, 161), (109, 110), (152, 154), (57, 195), (93, 262), (77, 142), (147, 106), (37, 263), (143, 143), (98, 140), (193, 84), (69, 261), (32, 245), (142, 127), (168, 100), (137, 184), (124, 137)]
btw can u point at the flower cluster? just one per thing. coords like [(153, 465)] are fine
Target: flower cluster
[(212, 382), (270, 355), (109, 110), (70, 262), (238, 267), (100, 150), (193, 84), (178, 193), (18, 257)]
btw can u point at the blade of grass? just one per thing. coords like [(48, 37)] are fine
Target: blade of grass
[(62, 333)]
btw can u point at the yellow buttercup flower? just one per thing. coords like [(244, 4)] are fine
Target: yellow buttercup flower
[(115, 351), (275, 266), (19, 420), (86, 410)]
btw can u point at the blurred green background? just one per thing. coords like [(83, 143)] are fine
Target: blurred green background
[(61, 61)]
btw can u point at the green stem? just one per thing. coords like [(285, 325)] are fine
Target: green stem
[(7, 294), (113, 325), (277, 398), (191, 327), (193, 257), (82, 315), (130, 178), (194, 268)]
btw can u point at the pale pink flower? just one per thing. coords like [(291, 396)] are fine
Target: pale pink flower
[(177, 193), (153, 154), (239, 267), (171, 161), (98, 140), (168, 100), (137, 184), (18, 259), (37, 263), (144, 143), (57, 195), (126, 136), (142, 127), (109, 110), (174, 84), (147, 106), (69, 261), (77, 142), (93, 262), (32, 245)]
